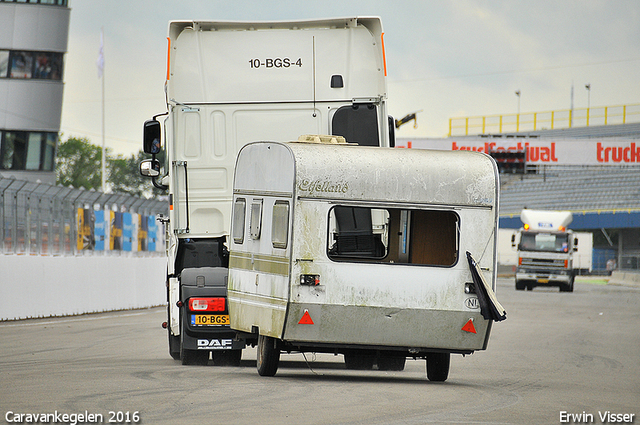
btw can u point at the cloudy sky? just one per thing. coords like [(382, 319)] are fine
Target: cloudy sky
[(448, 58)]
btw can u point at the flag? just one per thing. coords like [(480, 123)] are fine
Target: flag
[(100, 61)]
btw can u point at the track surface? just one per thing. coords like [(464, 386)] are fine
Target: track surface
[(556, 352)]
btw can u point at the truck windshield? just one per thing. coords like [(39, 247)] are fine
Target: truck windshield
[(549, 242)]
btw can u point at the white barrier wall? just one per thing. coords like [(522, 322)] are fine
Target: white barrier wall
[(44, 286)]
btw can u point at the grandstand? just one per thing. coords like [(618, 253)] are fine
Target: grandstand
[(588, 189), (604, 199)]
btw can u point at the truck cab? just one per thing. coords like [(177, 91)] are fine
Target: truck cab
[(228, 84), (545, 250)]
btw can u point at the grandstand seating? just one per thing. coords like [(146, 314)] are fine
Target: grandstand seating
[(576, 189)]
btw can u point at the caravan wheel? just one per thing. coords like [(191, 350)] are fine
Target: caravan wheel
[(438, 366), (268, 356)]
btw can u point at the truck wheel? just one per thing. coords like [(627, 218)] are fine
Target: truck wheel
[(174, 341), (358, 362), (391, 363), (566, 287), (193, 357), (520, 285), (268, 356), (226, 357), (174, 345), (438, 366)]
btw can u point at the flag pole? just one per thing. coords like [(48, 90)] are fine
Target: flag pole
[(104, 180)]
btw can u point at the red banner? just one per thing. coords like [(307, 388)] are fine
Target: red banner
[(547, 151)]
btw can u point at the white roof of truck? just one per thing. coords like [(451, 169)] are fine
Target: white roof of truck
[(551, 221), (283, 61), (351, 172)]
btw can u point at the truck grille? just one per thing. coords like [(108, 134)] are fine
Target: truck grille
[(541, 262)]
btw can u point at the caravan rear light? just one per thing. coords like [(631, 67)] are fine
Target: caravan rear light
[(310, 279), (206, 304)]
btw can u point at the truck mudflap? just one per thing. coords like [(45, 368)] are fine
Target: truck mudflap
[(490, 308), (212, 344)]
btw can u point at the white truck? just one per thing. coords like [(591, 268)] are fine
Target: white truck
[(230, 83), (546, 250), (376, 254)]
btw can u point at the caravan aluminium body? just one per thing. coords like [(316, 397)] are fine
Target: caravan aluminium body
[(230, 83), (362, 251), (545, 250)]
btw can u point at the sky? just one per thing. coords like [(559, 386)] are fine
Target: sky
[(445, 58)]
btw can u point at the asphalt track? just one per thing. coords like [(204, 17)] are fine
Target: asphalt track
[(556, 354)]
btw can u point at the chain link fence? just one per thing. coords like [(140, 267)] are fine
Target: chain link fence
[(41, 219)]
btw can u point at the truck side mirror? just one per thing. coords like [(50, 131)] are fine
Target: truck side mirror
[(513, 240), (151, 137), (150, 168), (575, 244), (392, 132)]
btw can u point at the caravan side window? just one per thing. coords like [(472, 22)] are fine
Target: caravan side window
[(280, 224), (255, 222), (393, 235), (239, 210)]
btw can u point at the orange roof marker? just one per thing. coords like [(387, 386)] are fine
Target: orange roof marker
[(306, 319), (468, 327)]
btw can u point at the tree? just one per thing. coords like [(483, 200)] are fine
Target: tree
[(79, 164), (125, 177)]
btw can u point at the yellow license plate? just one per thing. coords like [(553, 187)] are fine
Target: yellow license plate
[(209, 320), (543, 280)]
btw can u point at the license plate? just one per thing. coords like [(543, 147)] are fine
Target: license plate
[(209, 320), (543, 280)]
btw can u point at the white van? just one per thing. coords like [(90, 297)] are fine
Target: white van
[(360, 251)]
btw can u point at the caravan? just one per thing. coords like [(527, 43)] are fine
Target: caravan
[(376, 254)]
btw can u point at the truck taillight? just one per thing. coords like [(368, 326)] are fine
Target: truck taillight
[(566, 264), (519, 261), (206, 304)]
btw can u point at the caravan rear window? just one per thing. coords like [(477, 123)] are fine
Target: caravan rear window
[(393, 235)]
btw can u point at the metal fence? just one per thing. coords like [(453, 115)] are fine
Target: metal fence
[(41, 219), (547, 120)]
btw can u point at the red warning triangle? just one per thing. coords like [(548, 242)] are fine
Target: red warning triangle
[(306, 319), (468, 327)]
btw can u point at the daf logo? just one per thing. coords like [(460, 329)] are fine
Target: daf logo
[(472, 303), (215, 344)]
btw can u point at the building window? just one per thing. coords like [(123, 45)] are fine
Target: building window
[(21, 65), (31, 151), (4, 63), (31, 65), (48, 2)]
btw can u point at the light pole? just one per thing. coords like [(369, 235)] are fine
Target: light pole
[(588, 87), (518, 116)]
